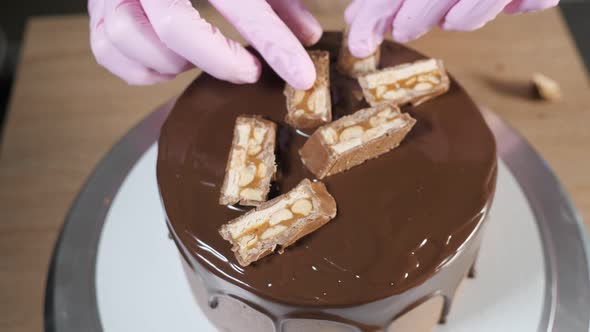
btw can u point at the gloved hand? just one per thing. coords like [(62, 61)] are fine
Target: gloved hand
[(369, 20), (148, 41)]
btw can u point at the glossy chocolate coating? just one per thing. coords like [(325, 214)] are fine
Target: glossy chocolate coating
[(401, 219)]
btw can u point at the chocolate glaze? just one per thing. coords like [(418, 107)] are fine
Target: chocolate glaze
[(408, 225)]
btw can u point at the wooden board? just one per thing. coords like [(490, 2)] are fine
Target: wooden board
[(66, 112)]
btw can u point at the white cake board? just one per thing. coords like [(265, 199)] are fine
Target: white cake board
[(114, 268), (141, 285)]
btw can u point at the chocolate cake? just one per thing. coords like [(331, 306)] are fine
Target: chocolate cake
[(408, 227)]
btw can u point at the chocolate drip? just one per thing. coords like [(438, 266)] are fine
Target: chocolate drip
[(408, 225)]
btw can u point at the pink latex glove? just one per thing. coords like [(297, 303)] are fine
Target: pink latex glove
[(148, 41), (369, 20)]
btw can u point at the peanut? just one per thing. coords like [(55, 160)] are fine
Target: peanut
[(422, 86), (380, 90), (351, 133), (302, 207), (385, 113), (251, 194), (259, 134), (243, 134), (298, 96), (311, 102), (253, 148), (247, 175), (394, 94), (273, 231), (261, 170), (330, 135), (280, 216), (375, 121)]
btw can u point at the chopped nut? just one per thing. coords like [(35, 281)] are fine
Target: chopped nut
[(395, 94), (280, 215), (347, 122), (298, 96), (413, 83), (330, 135), (254, 149), (372, 134), (261, 170), (279, 222), (351, 133), (238, 159), (251, 194), (547, 88), (386, 113), (422, 86), (343, 146), (311, 102), (375, 121), (313, 107), (247, 176), (273, 231), (248, 240), (366, 134), (380, 90), (243, 131), (302, 207), (433, 79), (259, 134)]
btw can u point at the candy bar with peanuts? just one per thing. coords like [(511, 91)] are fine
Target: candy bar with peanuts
[(413, 83), (251, 162), (352, 66), (353, 139), (278, 223), (311, 108)]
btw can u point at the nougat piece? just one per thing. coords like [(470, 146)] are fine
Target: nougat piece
[(311, 108), (251, 162), (353, 139), (352, 66), (413, 83), (278, 223)]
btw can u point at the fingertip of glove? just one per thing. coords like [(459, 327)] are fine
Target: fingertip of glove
[(468, 26), (361, 49), (513, 7), (313, 34), (248, 71), (361, 45), (523, 7), (403, 37), (304, 80)]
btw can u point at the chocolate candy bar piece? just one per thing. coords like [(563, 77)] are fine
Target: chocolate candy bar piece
[(414, 83), (251, 162), (353, 139), (311, 108), (278, 223), (352, 66)]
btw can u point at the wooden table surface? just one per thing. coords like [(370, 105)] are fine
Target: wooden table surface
[(66, 112)]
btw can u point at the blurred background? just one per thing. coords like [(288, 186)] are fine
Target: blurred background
[(14, 14)]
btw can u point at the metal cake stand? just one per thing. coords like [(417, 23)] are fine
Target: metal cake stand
[(70, 300)]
